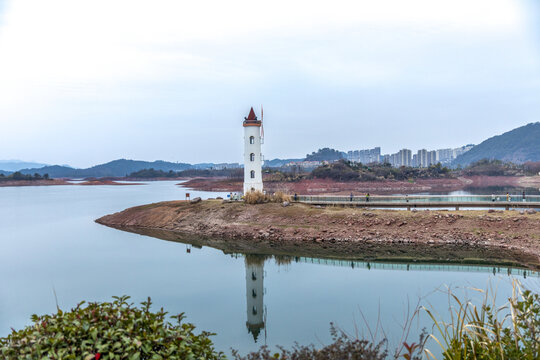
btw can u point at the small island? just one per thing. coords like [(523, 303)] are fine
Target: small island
[(342, 232)]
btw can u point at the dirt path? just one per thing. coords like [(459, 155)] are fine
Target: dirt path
[(466, 236)]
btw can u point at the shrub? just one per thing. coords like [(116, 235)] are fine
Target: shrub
[(254, 197), (485, 331), (342, 347), (257, 197), (114, 330), (280, 197)]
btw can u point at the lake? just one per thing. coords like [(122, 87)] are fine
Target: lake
[(50, 244)]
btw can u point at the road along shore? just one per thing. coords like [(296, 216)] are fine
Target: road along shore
[(477, 236)]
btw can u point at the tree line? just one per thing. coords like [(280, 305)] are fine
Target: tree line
[(18, 176)]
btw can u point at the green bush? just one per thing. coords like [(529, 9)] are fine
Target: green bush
[(116, 330)]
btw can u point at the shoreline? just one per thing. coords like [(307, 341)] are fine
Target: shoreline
[(382, 187), (311, 186), (60, 182), (465, 236)]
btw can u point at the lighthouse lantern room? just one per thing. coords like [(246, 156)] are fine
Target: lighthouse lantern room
[(252, 153)]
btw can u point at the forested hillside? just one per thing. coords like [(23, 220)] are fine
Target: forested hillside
[(517, 146)]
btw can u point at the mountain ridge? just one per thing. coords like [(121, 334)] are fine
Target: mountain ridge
[(518, 146)]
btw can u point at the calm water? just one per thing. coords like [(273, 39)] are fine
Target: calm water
[(49, 242)]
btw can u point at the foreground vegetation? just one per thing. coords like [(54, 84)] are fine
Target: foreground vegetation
[(119, 330), (488, 331), (109, 330)]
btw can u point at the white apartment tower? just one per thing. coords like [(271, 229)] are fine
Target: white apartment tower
[(253, 158)]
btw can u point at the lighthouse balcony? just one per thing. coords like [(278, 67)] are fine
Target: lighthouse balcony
[(252, 123)]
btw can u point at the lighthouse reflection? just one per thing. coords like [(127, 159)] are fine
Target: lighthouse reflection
[(256, 311)]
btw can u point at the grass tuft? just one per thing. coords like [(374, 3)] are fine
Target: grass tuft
[(257, 197)]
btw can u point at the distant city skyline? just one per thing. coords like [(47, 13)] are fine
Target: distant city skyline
[(85, 83)]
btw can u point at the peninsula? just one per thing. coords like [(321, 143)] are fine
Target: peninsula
[(337, 232)]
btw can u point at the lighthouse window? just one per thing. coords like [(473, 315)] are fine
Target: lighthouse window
[(252, 157), (252, 139), (253, 174)]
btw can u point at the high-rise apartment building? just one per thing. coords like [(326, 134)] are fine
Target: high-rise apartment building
[(366, 156)]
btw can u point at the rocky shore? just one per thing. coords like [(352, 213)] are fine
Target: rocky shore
[(457, 236)]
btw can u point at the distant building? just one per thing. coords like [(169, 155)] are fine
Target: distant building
[(445, 156), (461, 150), (421, 156), (366, 156), (414, 161), (307, 165), (431, 157), (224, 166), (401, 158), (405, 156)]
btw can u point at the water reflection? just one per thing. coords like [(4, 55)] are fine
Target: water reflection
[(256, 311)]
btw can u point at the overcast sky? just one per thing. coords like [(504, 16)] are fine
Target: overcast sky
[(85, 82)]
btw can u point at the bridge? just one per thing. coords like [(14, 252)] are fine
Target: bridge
[(494, 269), (425, 201), (411, 266)]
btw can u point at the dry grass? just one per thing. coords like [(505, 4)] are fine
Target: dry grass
[(257, 197), (488, 331)]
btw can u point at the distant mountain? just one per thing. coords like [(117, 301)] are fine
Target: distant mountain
[(114, 168), (518, 146), (54, 171), (16, 165), (5, 173)]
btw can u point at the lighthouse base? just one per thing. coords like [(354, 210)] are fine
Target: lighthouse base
[(253, 186)]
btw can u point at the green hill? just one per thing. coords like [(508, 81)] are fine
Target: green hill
[(518, 146)]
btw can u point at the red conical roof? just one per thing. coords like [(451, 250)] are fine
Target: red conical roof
[(251, 115)]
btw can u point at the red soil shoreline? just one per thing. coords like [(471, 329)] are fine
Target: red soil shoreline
[(385, 187)]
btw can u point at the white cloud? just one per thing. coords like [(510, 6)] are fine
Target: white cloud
[(69, 63)]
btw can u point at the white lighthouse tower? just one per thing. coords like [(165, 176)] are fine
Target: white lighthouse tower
[(253, 158)]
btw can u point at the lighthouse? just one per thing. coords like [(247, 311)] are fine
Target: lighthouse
[(253, 158)]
